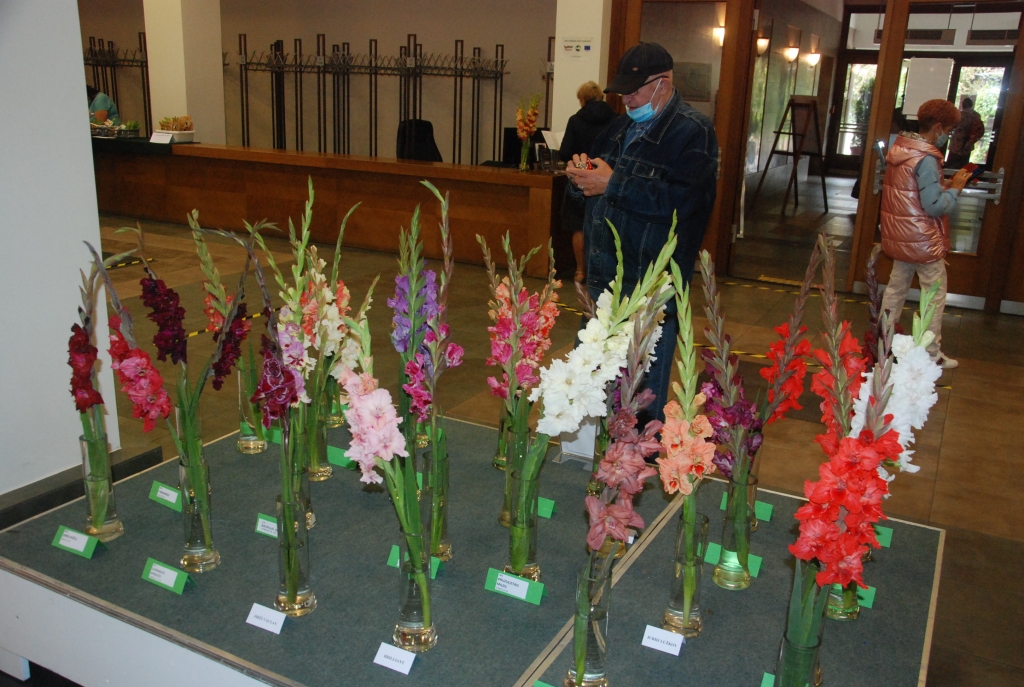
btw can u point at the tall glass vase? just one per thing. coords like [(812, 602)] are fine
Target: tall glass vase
[(316, 437), (524, 156), (518, 445), (200, 555), (334, 411), (251, 437), (732, 571), (590, 625), (295, 596), (415, 630), (440, 544), (682, 615), (522, 543), (101, 519), (843, 603), (752, 502), (504, 427), (298, 459), (601, 441), (798, 665)]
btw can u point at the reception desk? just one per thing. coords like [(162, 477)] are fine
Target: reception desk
[(230, 184)]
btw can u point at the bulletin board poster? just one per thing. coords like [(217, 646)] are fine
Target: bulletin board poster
[(577, 48)]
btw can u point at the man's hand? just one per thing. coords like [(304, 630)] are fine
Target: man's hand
[(591, 181), (960, 179)]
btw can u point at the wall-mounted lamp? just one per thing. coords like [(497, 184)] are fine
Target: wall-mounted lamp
[(719, 33), (791, 54), (813, 58), (762, 45)]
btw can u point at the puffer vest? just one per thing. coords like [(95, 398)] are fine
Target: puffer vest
[(909, 234)]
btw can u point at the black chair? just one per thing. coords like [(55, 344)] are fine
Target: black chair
[(416, 141)]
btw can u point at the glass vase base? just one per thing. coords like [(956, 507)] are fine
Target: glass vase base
[(529, 572), (592, 681), (681, 625), (443, 552), (310, 519), (416, 640), (499, 462), (334, 421), (304, 604), (753, 524), (201, 561), (108, 531), (422, 441), (606, 548), (251, 446), (505, 518), (734, 580), (594, 488), (320, 474), (840, 612)]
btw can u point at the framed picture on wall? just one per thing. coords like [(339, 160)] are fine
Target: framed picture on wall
[(693, 81)]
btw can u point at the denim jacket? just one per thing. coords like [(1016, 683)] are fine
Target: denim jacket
[(671, 167)]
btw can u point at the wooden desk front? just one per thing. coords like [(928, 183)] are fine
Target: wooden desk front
[(230, 184)]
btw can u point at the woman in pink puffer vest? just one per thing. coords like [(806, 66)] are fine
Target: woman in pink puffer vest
[(915, 203)]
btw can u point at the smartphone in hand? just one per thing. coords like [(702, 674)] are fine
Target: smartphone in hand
[(975, 171)]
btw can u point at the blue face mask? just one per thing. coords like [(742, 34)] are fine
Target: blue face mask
[(942, 140), (645, 112)]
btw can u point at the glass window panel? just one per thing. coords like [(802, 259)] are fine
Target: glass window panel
[(853, 126)]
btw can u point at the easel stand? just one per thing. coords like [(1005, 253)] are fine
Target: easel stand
[(801, 114)]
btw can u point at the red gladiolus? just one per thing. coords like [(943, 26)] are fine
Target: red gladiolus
[(231, 351), (793, 387), (139, 379), (82, 358), (167, 313)]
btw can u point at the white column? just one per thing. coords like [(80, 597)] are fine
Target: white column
[(582, 30), (186, 73), (48, 194)]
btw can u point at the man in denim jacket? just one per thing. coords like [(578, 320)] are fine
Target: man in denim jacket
[(658, 159)]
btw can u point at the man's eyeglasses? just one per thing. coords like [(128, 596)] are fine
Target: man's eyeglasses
[(647, 83)]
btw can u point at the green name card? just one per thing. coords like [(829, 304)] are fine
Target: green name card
[(538, 683), (266, 525), (715, 553), (866, 597), (163, 575), (435, 563), (884, 535), (75, 542), (545, 507), (166, 495), (336, 456), (273, 434), (768, 680), (514, 586), (762, 510)]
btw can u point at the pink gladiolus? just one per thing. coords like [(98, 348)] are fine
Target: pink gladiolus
[(610, 521), (374, 425)]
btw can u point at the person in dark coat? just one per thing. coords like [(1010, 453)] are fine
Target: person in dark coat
[(580, 133)]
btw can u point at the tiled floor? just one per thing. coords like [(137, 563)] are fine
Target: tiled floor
[(969, 452)]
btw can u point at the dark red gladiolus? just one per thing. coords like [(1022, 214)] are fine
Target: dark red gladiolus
[(231, 351), (167, 313), (277, 389), (82, 358)]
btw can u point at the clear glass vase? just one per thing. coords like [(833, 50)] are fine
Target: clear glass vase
[(200, 555), (295, 596), (504, 429), (797, 665), (682, 615), (296, 456), (522, 542), (437, 468), (732, 571), (843, 603), (590, 625), (334, 411), (601, 441), (752, 502), (101, 519), (251, 437), (316, 436), (518, 445), (415, 630)]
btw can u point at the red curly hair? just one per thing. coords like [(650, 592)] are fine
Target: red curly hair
[(937, 111)]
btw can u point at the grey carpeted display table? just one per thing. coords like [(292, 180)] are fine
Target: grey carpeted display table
[(484, 638)]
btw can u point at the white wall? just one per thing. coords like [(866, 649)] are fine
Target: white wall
[(48, 198), (578, 22)]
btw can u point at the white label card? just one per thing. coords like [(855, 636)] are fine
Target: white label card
[(74, 540), (169, 495), (164, 576), (663, 640), (398, 660), (512, 585), (161, 137), (266, 618), (266, 526)]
